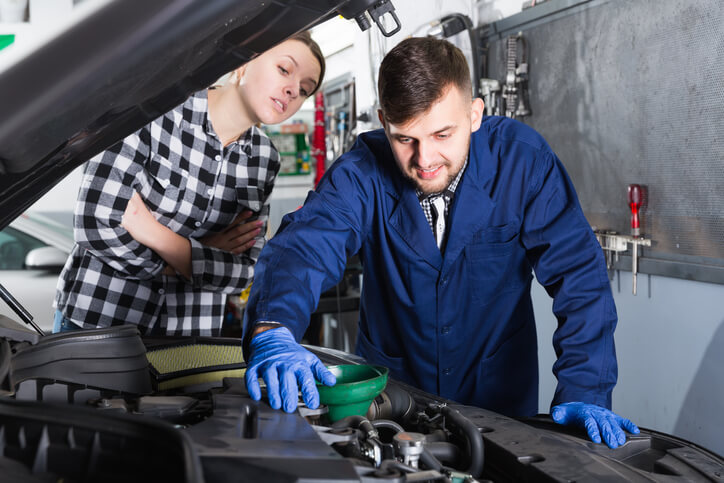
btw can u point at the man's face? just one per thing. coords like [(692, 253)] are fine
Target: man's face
[(431, 148)]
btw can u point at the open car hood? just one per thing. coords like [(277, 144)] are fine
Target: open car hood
[(120, 67)]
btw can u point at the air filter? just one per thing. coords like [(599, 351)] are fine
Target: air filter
[(193, 361)]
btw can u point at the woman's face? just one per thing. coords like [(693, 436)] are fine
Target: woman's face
[(274, 85)]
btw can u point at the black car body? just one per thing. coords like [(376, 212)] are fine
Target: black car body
[(87, 406)]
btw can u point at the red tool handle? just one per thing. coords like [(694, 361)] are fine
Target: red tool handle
[(634, 202)]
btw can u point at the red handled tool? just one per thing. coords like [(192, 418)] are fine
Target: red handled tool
[(634, 202)]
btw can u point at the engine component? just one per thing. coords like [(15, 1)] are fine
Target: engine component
[(409, 446), (42, 442), (393, 403), (465, 429), (194, 361), (174, 409), (62, 367)]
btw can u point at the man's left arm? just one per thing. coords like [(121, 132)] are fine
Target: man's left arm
[(569, 263)]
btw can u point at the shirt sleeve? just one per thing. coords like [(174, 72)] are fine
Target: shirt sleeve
[(569, 263), (309, 253), (221, 271), (108, 183)]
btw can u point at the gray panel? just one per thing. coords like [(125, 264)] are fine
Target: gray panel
[(633, 92)]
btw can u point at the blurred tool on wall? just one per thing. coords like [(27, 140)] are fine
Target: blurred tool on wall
[(509, 98), (340, 115), (319, 141), (613, 244), (636, 195)]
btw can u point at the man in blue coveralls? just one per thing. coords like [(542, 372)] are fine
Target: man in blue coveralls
[(450, 212)]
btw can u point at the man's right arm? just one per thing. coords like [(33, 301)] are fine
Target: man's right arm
[(309, 253), (306, 257)]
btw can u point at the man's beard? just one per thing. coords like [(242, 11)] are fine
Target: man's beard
[(427, 191)]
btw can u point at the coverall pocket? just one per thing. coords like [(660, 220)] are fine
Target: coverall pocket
[(510, 374), (366, 349), (495, 261)]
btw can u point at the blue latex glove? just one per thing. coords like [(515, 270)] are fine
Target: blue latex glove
[(282, 362), (596, 420)]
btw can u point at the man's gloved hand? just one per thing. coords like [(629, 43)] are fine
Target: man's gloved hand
[(283, 363), (596, 420)]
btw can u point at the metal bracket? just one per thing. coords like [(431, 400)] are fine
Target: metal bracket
[(613, 244)]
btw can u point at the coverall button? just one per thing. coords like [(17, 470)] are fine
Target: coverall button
[(198, 223), (217, 157), (161, 291), (446, 329)]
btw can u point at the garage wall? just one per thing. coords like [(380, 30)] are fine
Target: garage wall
[(599, 79), (669, 343)]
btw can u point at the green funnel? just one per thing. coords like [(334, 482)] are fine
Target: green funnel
[(357, 386)]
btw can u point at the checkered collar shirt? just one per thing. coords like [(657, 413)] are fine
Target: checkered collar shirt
[(426, 202), (195, 186)]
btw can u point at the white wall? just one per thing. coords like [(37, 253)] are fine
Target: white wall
[(348, 49), (63, 195)]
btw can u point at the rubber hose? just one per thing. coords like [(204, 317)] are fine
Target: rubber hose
[(402, 403), (430, 461), (357, 422), (471, 433), (448, 453), (393, 403), (435, 435), (387, 424)]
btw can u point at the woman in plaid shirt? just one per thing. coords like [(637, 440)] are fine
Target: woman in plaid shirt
[(172, 218)]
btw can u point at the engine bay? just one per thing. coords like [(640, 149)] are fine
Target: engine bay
[(106, 405)]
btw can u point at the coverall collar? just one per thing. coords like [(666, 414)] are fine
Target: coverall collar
[(472, 194)]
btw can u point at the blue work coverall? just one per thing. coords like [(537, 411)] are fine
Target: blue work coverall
[(460, 323)]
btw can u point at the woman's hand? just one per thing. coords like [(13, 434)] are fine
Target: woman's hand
[(238, 237), (139, 221)]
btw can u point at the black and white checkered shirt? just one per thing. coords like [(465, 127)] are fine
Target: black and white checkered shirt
[(194, 186), (447, 194)]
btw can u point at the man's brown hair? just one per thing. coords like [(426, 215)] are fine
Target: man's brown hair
[(306, 38), (416, 73)]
